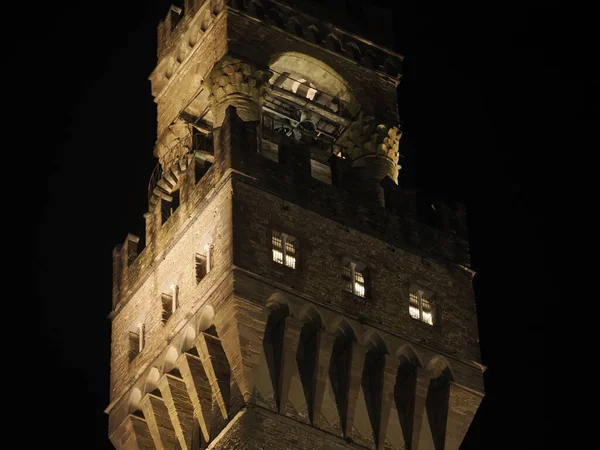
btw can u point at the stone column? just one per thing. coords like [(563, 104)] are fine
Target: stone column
[(238, 83), (372, 145)]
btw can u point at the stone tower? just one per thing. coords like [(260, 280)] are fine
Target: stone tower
[(289, 294)]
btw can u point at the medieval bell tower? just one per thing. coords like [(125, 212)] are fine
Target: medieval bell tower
[(289, 295)]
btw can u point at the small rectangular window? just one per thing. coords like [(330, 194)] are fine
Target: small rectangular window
[(201, 267), (421, 306), (136, 341), (285, 249), (354, 278), (167, 307)]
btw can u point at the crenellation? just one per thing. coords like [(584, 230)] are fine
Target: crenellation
[(290, 293)]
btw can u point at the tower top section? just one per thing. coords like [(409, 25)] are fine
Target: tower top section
[(335, 25)]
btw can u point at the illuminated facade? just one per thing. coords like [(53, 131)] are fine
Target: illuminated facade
[(288, 295)]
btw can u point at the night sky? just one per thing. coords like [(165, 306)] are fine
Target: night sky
[(478, 106)]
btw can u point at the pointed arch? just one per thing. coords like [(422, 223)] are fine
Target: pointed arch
[(314, 34), (352, 49), (409, 394), (273, 338), (440, 369), (372, 378), (407, 353), (189, 337), (339, 366), (339, 325), (134, 400), (277, 300), (373, 340), (256, 9), (151, 383), (294, 26), (438, 398), (170, 359), (307, 353), (274, 17), (333, 43), (207, 316)]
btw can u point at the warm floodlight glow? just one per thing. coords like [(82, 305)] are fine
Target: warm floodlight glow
[(420, 308), (277, 256), (284, 249)]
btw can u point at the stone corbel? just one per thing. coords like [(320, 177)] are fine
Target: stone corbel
[(238, 83)]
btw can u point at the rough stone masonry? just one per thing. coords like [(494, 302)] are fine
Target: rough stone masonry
[(287, 294)]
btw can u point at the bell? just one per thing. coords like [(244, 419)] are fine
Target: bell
[(308, 122)]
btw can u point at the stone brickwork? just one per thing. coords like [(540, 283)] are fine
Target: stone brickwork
[(254, 353)]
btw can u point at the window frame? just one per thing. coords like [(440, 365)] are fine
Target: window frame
[(350, 279), (423, 295), (285, 239), (139, 331)]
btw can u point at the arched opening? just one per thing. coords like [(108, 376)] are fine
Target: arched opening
[(372, 380), (256, 9), (333, 43), (311, 105), (273, 343), (306, 356), (339, 368), (295, 27), (405, 390), (437, 398)]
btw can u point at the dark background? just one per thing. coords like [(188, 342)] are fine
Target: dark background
[(487, 90)]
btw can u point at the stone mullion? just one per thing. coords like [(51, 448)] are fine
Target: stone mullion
[(390, 369), (291, 337), (199, 390), (462, 406), (217, 369), (356, 365), (325, 342), (159, 422), (179, 407), (423, 378)]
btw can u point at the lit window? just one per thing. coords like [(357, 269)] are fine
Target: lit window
[(354, 279), (136, 341), (285, 249), (420, 306)]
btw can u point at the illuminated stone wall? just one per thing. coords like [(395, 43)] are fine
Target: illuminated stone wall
[(258, 355)]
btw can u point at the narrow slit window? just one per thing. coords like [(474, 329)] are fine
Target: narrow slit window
[(169, 303), (201, 267), (285, 249), (420, 306), (136, 341)]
